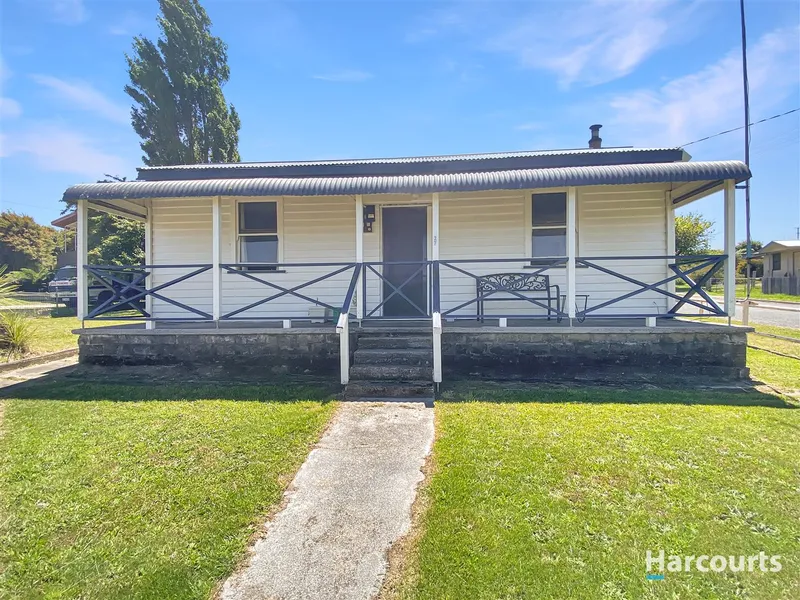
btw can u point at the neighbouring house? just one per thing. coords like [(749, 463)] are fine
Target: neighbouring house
[(68, 221), (781, 267), (411, 270)]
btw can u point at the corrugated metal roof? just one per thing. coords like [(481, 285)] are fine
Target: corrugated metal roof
[(413, 159), (679, 172), (66, 221), (780, 245), (417, 165)]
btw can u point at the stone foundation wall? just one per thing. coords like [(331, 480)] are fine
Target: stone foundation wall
[(278, 351), (491, 353), (509, 354)]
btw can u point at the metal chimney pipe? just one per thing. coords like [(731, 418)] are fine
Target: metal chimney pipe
[(596, 142)]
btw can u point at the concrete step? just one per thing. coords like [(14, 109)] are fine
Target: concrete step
[(382, 372), (362, 390), (393, 356), (426, 400), (405, 341), (396, 331)]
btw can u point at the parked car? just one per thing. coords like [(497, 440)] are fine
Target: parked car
[(63, 289)]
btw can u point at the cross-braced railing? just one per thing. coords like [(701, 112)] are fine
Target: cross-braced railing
[(417, 307), (451, 289), (260, 274), (681, 266), (125, 287)]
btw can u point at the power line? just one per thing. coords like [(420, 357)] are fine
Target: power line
[(788, 112)]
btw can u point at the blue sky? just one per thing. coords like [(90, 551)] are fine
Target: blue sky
[(354, 79)]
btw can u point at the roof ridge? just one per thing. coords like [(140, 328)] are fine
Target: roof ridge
[(409, 159)]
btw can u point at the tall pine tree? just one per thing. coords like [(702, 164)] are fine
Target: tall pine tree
[(176, 82)]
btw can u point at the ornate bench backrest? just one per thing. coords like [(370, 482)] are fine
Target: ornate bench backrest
[(518, 282)]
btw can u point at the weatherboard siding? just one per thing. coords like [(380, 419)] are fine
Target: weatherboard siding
[(611, 221), (622, 221)]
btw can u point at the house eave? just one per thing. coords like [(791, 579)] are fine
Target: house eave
[(626, 174)]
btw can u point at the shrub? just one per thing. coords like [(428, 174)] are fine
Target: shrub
[(17, 332), (33, 280), (8, 282)]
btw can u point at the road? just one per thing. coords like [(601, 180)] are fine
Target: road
[(767, 313)]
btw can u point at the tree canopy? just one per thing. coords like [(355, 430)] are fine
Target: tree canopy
[(26, 244), (115, 241), (176, 82), (755, 246), (692, 234)]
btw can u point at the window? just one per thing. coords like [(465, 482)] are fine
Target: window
[(776, 261), (548, 226), (258, 232)]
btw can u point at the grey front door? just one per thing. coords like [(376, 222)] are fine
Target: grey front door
[(405, 238)]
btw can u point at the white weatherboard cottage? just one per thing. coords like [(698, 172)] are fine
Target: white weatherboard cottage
[(781, 267), (562, 241)]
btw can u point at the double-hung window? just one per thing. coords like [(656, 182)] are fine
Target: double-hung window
[(548, 227), (776, 261), (257, 235)]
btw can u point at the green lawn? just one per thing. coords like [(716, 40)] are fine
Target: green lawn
[(779, 371), (112, 491), (757, 294), (53, 333), (741, 293), (559, 494)]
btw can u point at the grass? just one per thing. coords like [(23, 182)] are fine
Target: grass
[(11, 301), (741, 293), (559, 494), (765, 360), (781, 372), (757, 294), (114, 491), (53, 332)]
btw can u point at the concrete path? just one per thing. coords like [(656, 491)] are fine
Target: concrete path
[(10, 378), (348, 503)]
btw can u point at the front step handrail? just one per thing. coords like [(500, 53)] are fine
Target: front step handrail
[(437, 348), (343, 327)]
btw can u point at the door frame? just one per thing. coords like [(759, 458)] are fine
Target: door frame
[(428, 241)]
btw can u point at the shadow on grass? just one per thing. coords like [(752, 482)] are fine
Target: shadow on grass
[(59, 387), (517, 392)]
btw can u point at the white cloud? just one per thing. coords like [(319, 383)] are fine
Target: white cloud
[(82, 95), (345, 76), (592, 42), (9, 109), (710, 100), (69, 12), (588, 42), (55, 148)]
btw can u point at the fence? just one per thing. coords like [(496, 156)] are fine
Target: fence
[(781, 285)]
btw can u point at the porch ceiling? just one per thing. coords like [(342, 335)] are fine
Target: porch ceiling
[(675, 173)]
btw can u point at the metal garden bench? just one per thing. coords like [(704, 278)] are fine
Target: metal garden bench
[(533, 288)]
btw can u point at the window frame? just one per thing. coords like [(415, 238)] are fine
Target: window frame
[(278, 232), (774, 256), (540, 261)]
